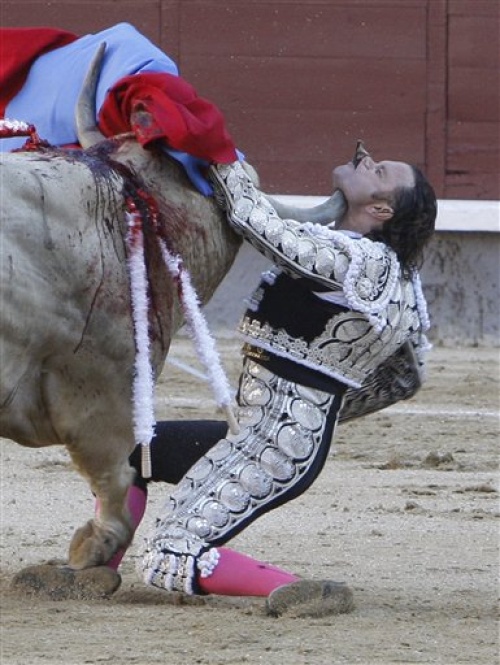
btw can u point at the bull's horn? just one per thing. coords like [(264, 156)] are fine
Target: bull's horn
[(86, 127), (331, 210)]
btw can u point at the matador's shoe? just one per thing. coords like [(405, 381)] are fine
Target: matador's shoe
[(310, 598)]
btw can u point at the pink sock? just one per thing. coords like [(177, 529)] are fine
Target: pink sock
[(136, 503), (239, 575)]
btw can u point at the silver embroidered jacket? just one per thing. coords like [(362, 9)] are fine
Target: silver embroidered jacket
[(384, 309)]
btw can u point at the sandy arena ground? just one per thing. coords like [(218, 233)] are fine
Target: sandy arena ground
[(406, 512)]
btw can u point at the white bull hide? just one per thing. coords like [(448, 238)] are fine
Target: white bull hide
[(67, 346)]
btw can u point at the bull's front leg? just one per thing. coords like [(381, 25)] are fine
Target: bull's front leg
[(86, 575), (111, 529), (90, 413)]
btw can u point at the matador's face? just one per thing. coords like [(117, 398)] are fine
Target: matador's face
[(364, 181)]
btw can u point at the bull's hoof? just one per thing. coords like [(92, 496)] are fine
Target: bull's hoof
[(62, 583), (309, 598)]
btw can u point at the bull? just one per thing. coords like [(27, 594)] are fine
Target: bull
[(67, 345), (67, 342)]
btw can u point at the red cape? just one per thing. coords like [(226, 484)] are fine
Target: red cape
[(177, 115), (19, 48)]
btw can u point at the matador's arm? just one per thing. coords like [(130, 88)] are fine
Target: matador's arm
[(366, 271)]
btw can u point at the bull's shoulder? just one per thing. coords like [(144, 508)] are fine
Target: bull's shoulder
[(54, 165)]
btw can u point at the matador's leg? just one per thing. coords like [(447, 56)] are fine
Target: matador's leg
[(286, 430)]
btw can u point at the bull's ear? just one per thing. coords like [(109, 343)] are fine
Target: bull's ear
[(143, 124)]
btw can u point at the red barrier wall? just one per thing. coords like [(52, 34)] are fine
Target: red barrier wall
[(300, 81)]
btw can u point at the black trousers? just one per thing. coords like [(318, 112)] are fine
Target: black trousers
[(178, 444), (175, 447)]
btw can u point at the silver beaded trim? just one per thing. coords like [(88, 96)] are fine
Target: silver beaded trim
[(386, 309), (367, 272), (349, 349), (282, 426)]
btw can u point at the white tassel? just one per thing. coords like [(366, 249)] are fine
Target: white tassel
[(203, 341), (11, 128), (143, 387), (421, 302), (144, 418)]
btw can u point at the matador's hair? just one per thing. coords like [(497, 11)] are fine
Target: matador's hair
[(412, 224)]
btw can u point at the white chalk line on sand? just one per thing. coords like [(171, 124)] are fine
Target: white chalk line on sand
[(392, 410), (449, 412), (400, 409)]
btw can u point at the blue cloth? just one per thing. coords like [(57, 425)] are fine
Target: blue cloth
[(49, 96)]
